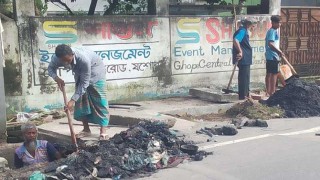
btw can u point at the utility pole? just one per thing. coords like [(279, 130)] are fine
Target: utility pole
[(3, 116)]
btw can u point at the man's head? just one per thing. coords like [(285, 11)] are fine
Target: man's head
[(249, 23), (64, 53), (275, 21), (29, 132)]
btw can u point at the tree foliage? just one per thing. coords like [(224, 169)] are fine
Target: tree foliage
[(41, 8), (125, 6), (112, 7), (6, 8)]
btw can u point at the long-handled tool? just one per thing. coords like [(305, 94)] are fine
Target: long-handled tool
[(73, 135), (290, 66), (96, 125), (227, 91)]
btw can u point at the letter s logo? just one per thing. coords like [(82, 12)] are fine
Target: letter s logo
[(60, 32), (188, 30)]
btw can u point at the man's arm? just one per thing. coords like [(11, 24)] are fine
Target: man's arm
[(53, 153), (237, 46), (236, 42), (53, 67), (271, 38), (18, 163), (274, 48), (83, 81), (52, 71)]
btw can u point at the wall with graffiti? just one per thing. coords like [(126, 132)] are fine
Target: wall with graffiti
[(129, 47), (204, 45), (146, 57)]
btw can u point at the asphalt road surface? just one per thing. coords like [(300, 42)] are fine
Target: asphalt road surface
[(287, 150)]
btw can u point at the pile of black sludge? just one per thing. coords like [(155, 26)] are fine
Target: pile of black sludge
[(137, 152), (298, 98)]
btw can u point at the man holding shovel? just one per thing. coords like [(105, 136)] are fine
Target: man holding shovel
[(89, 99), (242, 56), (273, 54)]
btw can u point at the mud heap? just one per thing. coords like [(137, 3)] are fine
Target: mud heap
[(254, 110), (298, 98), (137, 152)]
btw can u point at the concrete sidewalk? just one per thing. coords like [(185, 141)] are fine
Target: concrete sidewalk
[(124, 116)]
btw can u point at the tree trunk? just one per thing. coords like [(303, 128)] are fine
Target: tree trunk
[(92, 7), (152, 9)]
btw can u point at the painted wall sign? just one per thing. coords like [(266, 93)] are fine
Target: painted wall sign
[(202, 45), (129, 47)]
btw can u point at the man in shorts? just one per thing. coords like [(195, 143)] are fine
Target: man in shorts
[(273, 55)]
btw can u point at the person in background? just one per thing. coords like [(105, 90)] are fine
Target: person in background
[(273, 55), (34, 151), (242, 55), (89, 99)]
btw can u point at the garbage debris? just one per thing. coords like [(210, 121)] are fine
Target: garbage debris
[(136, 152), (37, 175), (298, 98), (227, 130), (23, 117), (239, 123), (254, 110), (189, 149), (221, 116), (3, 164), (37, 117)]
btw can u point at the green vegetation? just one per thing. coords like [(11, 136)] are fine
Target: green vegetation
[(6, 8)]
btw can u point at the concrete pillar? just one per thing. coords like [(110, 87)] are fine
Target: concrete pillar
[(3, 107), (275, 7), (23, 10), (162, 7)]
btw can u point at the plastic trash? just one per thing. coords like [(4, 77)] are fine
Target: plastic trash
[(24, 117), (37, 175), (3, 164)]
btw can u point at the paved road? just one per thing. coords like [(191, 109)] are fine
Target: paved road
[(287, 150)]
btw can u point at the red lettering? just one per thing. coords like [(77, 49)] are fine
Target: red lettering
[(151, 24), (128, 32), (92, 28), (260, 30), (123, 30), (226, 28), (214, 37), (105, 30)]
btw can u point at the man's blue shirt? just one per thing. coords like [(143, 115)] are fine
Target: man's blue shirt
[(273, 36), (241, 33)]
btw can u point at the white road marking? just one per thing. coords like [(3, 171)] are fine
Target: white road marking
[(206, 147), (302, 132)]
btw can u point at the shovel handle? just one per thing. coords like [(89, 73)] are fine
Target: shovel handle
[(290, 66), (73, 135), (234, 69)]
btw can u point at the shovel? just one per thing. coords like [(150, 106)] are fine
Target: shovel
[(73, 135), (227, 91), (291, 67)]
